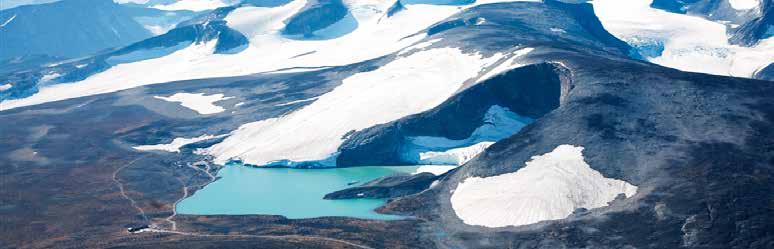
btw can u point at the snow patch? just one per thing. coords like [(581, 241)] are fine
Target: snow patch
[(434, 169), (511, 63), (176, 144), (192, 5), (8, 21), (130, 1), (296, 70), (499, 123), (49, 77), (457, 156), (203, 104), (297, 101), (405, 86), (743, 4), (480, 20), (5, 87), (156, 29), (256, 22), (684, 42), (549, 187), (419, 46)]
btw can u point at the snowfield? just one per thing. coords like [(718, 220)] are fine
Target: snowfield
[(512, 63), (689, 43), (193, 5), (376, 35), (457, 156), (549, 187), (405, 86), (743, 4), (499, 123), (176, 144), (434, 169), (203, 104)]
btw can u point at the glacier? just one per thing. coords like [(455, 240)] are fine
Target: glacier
[(498, 123), (376, 35), (684, 42), (456, 156), (405, 86)]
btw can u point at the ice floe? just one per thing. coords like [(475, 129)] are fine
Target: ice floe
[(549, 187)]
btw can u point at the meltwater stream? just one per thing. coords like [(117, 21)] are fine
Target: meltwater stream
[(293, 193)]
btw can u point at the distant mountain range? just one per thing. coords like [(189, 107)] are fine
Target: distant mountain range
[(75, 28)]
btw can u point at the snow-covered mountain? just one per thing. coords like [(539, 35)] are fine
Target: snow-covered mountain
[(192, 5), (323, 28), (607, 124), (75, 28), (7, 4)]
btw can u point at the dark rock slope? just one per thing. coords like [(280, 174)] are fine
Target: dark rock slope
[(766, 73), (698, 146), (757, 28), (387, 187), (530, 91), (316, 15)]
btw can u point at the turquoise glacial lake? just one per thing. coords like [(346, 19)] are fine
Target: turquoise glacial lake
[(293, 193)]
